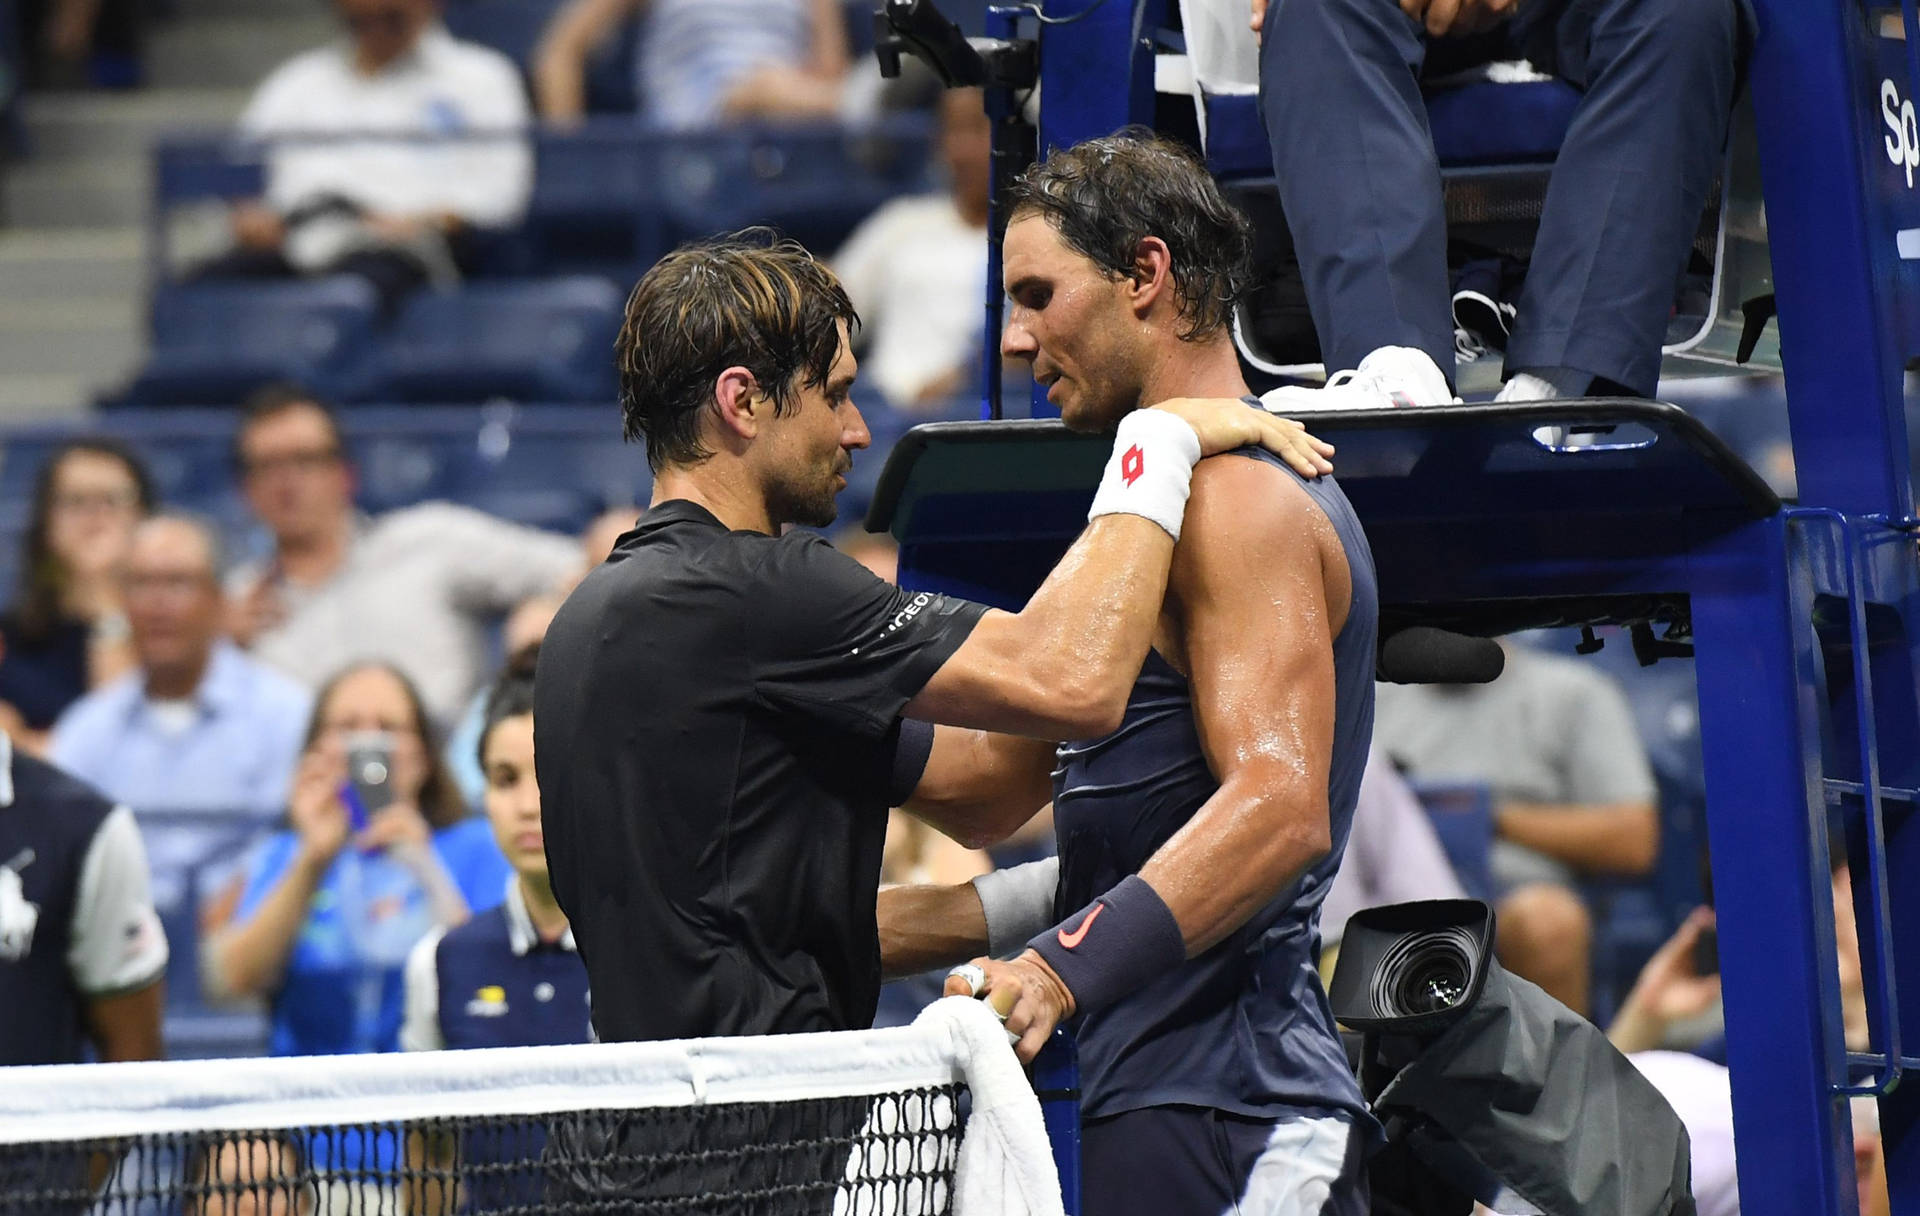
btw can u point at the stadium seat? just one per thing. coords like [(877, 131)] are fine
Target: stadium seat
[(595, 205), (1462, 817), (213, 343), (512, 27), (501, 340), (813, 184), (557, 474)]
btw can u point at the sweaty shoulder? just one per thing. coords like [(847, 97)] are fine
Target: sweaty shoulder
[(1255, 512), (1251, 498)]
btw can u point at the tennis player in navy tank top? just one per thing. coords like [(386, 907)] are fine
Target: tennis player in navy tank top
[(1198, 839)]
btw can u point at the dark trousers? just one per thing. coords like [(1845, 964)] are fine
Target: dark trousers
[(1340, 90), (1190, 1161)]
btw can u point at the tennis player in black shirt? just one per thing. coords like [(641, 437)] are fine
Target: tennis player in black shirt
[(724, 713)]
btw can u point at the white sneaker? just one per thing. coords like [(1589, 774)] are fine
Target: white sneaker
[(1392, 377)]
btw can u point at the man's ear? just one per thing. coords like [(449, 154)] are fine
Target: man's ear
[(1151, 282), (739, 405)]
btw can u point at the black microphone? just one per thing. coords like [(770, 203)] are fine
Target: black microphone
[(1422, 654)]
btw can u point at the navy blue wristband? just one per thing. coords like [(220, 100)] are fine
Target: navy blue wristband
[(1114, 946)]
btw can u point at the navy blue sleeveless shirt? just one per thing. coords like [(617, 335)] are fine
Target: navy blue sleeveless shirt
[(1244, 1027)]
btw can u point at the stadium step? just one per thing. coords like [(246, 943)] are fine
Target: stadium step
[(70, 319), (189, 9), (51, 265), (71, 126), (232, 52), (98, 192)]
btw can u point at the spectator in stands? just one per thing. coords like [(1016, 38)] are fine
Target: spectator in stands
[(443, 160), (605, 531), (418, 587), (1674, 994), (67, 631), (509, 977), (524, 628), (1360, 182), (1573, 795), (1672, 989), (916, 271), (703, 61), (72, 43), (197, 725), (877, 551), (323, 919), (1393, 856), (82, 957)]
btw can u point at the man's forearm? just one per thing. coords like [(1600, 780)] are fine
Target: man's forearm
[(1062, 667), (1233, 858), (924, 927), (1622, 838), (979, 787)]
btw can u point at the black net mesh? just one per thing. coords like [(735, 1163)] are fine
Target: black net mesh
[(886, 1155)]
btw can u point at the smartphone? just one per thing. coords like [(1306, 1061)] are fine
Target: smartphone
[(1706, 952), (369, 788)]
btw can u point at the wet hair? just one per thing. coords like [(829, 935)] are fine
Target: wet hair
[(1104, 196), (748, 299), (511, 695), (37, 612), (440, 801), (273, 400)]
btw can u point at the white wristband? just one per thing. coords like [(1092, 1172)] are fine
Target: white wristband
[(1018, 904), (1150, 471)]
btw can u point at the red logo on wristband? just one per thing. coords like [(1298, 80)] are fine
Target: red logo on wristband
[(1070, 940), (1132, 465)]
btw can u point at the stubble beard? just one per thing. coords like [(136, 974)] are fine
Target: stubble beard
[(812, 506)]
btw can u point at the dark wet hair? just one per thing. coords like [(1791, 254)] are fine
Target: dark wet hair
[(1104, 196), (43, 575), (748, 299), (511, 695)]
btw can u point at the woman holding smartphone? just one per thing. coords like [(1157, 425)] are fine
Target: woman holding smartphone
[(378, 852)]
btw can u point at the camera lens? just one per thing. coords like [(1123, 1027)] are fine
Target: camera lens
[(1423, 973), (1432, 984)]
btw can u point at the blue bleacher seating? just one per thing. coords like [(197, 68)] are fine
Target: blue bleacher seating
[(608, 200), (512, 27), (558, 476), (594, 208), (544, 340), (213, 343), (1462, 817), (812, 183)]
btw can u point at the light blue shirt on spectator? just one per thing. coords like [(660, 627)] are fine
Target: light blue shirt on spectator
[(342, 989), (198, 771)]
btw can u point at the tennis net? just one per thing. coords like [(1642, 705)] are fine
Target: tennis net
[(920, 1121)]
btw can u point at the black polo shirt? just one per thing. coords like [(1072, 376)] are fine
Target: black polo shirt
[(716, 721)]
